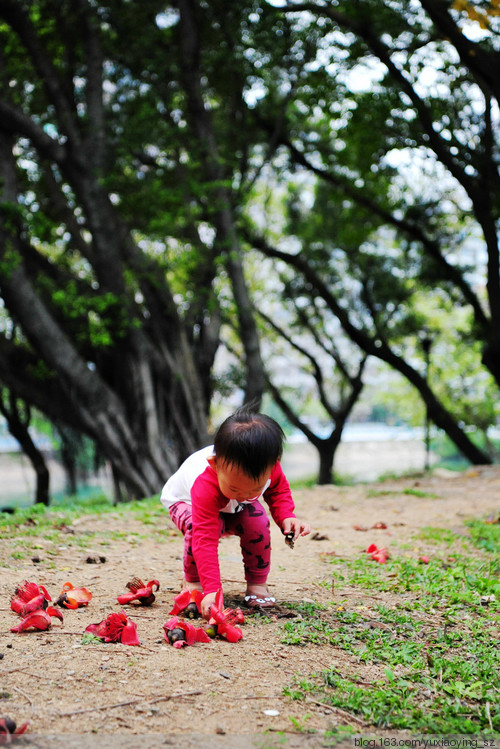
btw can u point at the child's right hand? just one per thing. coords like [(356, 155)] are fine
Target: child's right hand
[(206, 604)]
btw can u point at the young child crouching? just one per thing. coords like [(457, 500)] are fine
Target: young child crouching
[(218, 491)]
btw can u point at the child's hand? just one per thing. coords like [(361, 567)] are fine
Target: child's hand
[(296, 526), (206, 604)]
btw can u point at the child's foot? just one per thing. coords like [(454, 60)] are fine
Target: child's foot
[(258, 597)]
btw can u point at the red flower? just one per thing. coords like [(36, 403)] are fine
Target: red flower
[(115, 628), (29, 597), (180, 633), (379, 555), (139, 592), (72, 597), (188, 602), (8, 728), (40, 619), (224, 619), (424, 559)]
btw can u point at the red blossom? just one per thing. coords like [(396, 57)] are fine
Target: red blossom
[(72, 597), (224, 619), (424, 559), (8, 728), (115, 628), (29, 597), (179, 633), (189, 603), (40, 619), (378, 555), (140, 593)]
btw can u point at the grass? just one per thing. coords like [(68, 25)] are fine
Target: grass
[(52, 522), (424, 659), (36, 518)]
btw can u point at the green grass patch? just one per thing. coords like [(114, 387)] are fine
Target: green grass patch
[(424, 659)]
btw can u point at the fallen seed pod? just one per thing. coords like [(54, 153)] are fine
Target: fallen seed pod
[(192, 611), (174, 635), (211, 630)]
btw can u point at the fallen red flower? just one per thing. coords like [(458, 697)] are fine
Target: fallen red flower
[(8, 728), (180, 633), (139, 592), (29, 597), (378, 555), (493, 519), (224, 619), (115, 628), (72, 597), (188, 602), (424, 559), (40, 619)]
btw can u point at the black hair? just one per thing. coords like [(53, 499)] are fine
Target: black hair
[(250, 440)]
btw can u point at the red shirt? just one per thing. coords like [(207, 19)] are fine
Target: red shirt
[(207, 502)]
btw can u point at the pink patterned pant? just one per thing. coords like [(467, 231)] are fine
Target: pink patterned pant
[(251, 524)]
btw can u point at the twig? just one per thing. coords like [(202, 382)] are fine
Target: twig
[(130, 702), (339, 710), (361, 595), (48, 632), (16, 689), (21, 668), (258, 697), (488, 714), (193, 693)]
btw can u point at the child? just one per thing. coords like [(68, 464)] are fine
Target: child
[(217, 491)]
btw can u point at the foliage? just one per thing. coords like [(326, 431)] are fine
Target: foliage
[(145, 148)]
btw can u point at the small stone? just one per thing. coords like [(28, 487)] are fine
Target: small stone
[(272, 713)]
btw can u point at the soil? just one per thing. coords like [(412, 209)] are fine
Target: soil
[(207, 694)]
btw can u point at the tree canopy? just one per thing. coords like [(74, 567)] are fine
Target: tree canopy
[(140, 144)]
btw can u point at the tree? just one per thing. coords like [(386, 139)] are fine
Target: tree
[(101, 344), (338, 383), (358, 116), (18, 418)]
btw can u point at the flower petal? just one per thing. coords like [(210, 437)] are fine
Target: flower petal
[(201, 635), (180, 602), (126, 598), (37, 619), (129, 634), (51, 611), (219, 599)]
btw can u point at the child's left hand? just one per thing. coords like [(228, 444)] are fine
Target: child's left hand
[(296, 526)]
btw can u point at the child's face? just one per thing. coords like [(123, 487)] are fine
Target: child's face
[(234, 483)]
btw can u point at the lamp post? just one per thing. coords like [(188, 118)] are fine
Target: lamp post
[(426, 341)]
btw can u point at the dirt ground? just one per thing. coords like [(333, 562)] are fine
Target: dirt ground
[(205, 695)]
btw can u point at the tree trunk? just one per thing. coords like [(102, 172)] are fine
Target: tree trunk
[(438, 414), (139, 398), (18, 427), (223, 217)]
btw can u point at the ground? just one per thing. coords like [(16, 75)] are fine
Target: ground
[(215, 690)]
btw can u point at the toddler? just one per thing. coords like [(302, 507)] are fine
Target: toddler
[(218, 491)]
